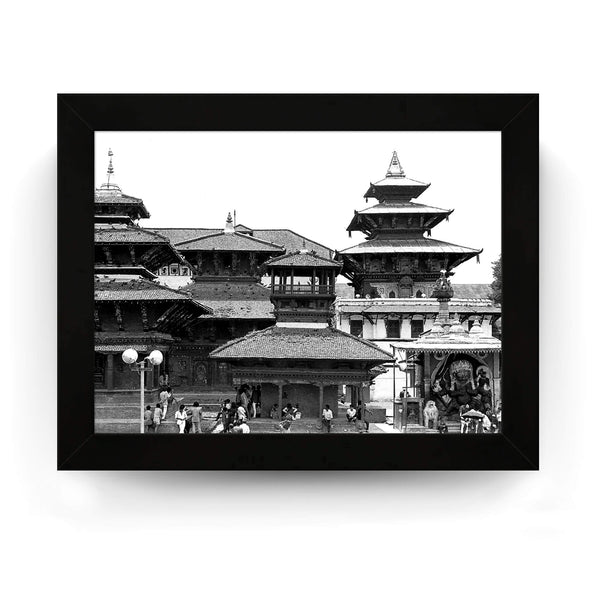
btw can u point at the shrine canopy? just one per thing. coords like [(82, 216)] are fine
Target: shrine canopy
[(444, 339)]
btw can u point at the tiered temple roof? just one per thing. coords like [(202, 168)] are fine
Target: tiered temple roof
[(395, 229)]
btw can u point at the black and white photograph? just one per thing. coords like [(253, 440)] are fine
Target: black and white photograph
[(297, 283), (298, 300)]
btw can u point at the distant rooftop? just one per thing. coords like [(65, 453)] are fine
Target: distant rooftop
[(285, 238), (302, 259)]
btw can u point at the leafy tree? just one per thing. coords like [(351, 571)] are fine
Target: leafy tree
[(496, 293)]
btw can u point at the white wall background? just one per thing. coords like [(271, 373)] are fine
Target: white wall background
[(118, 534)]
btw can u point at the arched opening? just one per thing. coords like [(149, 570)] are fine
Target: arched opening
[(392, 295)]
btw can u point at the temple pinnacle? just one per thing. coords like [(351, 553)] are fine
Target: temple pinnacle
[(395, 169), (229, 224), (110, 171)]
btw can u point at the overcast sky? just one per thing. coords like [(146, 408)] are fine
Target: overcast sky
[(310, 182)]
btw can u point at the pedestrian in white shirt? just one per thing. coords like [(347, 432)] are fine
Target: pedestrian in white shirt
[(181, 418), (327, 418), (164, 400)]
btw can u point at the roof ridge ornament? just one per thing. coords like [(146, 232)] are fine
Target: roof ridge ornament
[(229, 225), (395, 169)]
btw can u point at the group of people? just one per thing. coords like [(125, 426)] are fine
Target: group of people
[(153, 417), (487, 422), (357, 414), (188, 420), (250, 398), (289, 414), (232, 418)]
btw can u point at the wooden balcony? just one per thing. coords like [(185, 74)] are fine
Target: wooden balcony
[(305, 289)]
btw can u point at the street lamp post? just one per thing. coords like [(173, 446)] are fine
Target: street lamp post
[(402, 365), (130, 357), (394, 374)]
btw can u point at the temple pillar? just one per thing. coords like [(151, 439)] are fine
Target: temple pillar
[(320, 386), (190, 370), (349, 394), (405, 327), (110, 371), (280, 402), (427, 374), (418, 383)]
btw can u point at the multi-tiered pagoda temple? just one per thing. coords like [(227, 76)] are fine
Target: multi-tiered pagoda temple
[(397, 260), (131, 310), (302, 359)]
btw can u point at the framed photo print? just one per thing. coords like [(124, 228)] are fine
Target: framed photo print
[(298, 281)]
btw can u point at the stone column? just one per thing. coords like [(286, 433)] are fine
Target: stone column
[(279, 404), (110, 371), (405, 327), (349, 394), (320, 386), (427, 374), (418, 378)]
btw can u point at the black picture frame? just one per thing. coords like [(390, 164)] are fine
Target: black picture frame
[(516, 116)]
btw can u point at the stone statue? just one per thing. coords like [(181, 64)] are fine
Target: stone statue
[(430, 413), (483, 387), (462, 387)]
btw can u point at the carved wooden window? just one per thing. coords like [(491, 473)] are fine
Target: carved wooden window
[(356, 327), (416, 327), (392, 328)]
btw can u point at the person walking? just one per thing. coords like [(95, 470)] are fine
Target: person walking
[(366, 416), (327, 418), (157, 417), (164, 400), (181, 418), (196, 411), (147, 419)]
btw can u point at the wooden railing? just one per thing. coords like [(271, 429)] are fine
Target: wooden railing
[(301, 288)]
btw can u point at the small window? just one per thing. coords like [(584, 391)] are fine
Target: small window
[(356, 327), (164, 270), (184, 271), (392, 328), (419, 294), (174, 270), (392, 295), (416, 328)]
